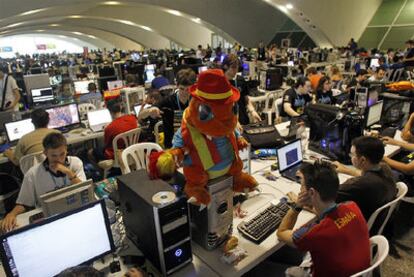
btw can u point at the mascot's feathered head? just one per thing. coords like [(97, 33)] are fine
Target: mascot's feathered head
[(213, 109)]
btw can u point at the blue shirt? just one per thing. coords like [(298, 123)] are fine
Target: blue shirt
[(224, 147)]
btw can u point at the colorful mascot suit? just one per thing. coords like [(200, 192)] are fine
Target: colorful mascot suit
[(207, 142)]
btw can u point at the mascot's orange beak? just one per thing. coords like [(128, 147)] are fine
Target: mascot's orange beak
[(215, 120)]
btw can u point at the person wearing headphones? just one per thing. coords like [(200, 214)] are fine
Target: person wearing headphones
[(57, 171), (230, 66)]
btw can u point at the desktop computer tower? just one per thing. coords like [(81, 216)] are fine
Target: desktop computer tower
[(156, 221), (213, 225)]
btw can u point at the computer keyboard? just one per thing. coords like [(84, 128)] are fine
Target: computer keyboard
[(264, 223)]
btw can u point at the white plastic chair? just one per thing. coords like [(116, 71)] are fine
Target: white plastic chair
[(84, 108), (402, 191), (382, 252), (278, 107), (137, 154), (270, 108), (129, 138), (29, 160)]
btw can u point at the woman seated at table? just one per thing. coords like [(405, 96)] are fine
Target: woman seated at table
[(324, 91)]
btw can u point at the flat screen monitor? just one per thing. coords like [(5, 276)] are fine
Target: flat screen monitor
[(16, 129), (81, 87), (113, 85), (52, 245), (106, 71), (42, 96), (67, 198), (149, 72), (63, 117), (374, 114)]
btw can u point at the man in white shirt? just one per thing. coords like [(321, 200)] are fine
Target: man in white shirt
[(58, 170), (9, 91)]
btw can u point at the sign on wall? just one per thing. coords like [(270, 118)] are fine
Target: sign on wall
[(45, 46)]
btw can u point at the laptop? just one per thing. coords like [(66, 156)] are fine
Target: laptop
[(99, 119), (289, 157)]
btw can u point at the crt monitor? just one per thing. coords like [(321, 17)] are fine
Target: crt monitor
[(16, 129), (67, 198), (81, 87), (42, 96), (374, 114), (63, 117), (54, 244)]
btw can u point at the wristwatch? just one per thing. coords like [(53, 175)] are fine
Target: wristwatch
[(294, 207)]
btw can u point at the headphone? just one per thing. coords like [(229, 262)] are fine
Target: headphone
[(57, 174)]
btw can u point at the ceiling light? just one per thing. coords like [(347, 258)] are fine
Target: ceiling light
[(78, 33), (62, 36), (289, 6), (54, 25), (40, 30), (14, 25), (90, 36), (196, 20), (75, 16), (113, 3), (283, 9), (31, 12), (146, 28), (75, 38), (174, 12), (127, 22)]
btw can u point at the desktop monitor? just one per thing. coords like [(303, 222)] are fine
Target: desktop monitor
[(63, 117), (81, 87), (54, 244), (106, 71), (374, 114), (113, 85), (42, 96), (16, 129), (67, 198), (149, 72)]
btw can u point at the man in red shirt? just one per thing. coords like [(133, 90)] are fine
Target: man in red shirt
[(121, 123), (338, 241)]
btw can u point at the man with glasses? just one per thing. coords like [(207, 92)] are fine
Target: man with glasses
[(338, 241), (373, 184), (174, 105)]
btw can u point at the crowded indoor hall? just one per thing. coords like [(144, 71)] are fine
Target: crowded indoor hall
[(206, 138)]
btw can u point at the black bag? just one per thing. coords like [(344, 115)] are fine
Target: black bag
[(262, 135)]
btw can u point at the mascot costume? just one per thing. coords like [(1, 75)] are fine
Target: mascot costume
[(206, 144)]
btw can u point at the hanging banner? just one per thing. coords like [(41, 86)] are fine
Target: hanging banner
[(6, 49)]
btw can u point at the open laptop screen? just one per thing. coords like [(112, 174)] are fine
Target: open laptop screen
[(289, 155)]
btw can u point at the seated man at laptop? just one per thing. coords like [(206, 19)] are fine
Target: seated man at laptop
[(31, 142), (58, 170), (338, 241), (93, 96), (121, 123), (296, 98), (373, 185)]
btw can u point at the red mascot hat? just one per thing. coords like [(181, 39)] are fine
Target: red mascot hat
[(213, 87)]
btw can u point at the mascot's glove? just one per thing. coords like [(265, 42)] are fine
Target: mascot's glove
[(242, 143), (163, 164)]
